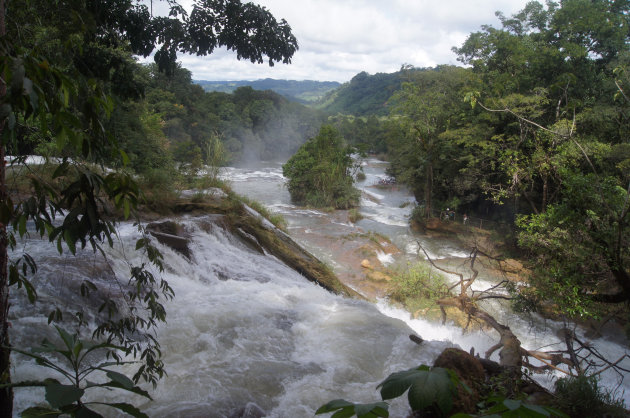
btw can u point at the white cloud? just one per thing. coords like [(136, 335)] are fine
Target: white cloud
[(341, 38)]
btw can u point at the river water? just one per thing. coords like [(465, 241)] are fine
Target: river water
[(245, 331)]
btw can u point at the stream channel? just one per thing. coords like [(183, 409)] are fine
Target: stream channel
[(246, 333)]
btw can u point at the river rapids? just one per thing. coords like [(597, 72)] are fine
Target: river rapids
[(245, 332)]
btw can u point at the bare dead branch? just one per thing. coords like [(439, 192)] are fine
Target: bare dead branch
[(615, 365)]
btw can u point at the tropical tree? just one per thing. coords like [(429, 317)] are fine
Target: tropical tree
[(555, 108), (64, 69), (427, 108)]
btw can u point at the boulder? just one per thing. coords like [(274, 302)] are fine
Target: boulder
[(433, 223), (470, 371), (166, 227), (170, 234), (366, 264)]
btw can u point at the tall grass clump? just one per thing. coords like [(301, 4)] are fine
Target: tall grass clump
[(354, 215), (417, 286), (582, 396), (275, 218)]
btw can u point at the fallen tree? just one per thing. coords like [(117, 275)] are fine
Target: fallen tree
[(578, 358)]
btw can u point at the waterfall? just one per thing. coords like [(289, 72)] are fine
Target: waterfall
[(245, 331), (242, 328)]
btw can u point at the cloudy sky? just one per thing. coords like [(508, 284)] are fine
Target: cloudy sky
[(340, 38)]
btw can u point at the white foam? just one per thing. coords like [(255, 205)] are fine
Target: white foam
[(385, 258)]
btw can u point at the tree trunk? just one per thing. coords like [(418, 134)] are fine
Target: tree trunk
[(511, 354), (6, 394), (544, 193), (428, 191)]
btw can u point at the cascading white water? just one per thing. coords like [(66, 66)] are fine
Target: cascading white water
[(245, 329), (386, 210)]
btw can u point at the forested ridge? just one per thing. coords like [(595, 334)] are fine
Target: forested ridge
[(303, 91)]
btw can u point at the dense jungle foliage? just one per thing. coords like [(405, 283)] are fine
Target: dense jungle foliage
[(535, 133), (321, 173), (175, 121)]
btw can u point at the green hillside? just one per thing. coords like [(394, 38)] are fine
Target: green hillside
[(306, 91), (364, 95)]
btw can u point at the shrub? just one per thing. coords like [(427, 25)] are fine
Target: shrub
[(417, 286), (158, 187), (582, 396), (354, 215), (417, 214), (275, 218)]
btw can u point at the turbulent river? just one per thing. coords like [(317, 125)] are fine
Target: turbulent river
[(245, 332)]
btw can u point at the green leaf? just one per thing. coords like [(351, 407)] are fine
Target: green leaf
[(84, 412), (377, 409), (70, 241), (61, 169), (348, 409), (59, 395), (344, 412), (69, 340), (333, 406), (427, 386), (511, 404), (125, 158), (397, 383), (128, 408), (140, 243), (31, 293), (120, 378), (22, 225), (135, 389), (42, 361), (39, 411)]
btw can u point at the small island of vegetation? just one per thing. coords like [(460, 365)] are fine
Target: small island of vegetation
[(321, 173)]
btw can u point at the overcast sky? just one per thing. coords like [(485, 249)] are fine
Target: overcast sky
[(339, 38)]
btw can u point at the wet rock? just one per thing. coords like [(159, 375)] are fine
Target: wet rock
[(249, 240), (373, 274), (166, 227), (433, 223), (277, 243), (416, 339), (170, 234), (251, 410), (470, 371)]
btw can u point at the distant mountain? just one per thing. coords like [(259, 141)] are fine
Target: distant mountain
[(364, 95), (306, 91)]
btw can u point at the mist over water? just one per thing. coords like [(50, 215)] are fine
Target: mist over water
[(245, 329)]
